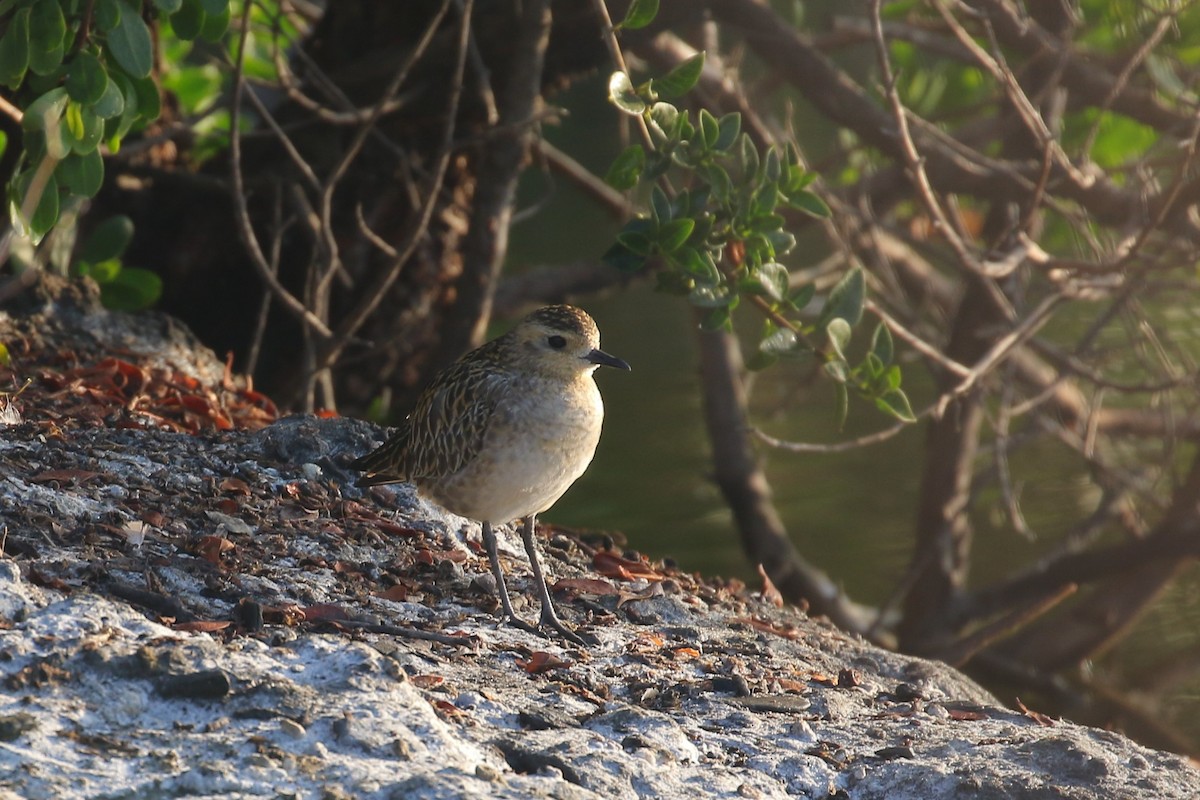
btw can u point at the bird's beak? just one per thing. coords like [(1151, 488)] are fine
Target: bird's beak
[(603, 359)]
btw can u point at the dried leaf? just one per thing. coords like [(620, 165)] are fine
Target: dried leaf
[(767, 627), (965, 714), (325, 612), (1037, 716), (613, 565), (235, 486), (541, 661), (427, 681), (769, 593), (202, 625)]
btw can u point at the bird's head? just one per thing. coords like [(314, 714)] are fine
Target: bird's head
[(563, 341)]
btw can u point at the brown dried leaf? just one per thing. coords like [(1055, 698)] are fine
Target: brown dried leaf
[(1037, 716), (202, 625), (767, 627), (541, 661), (613, 565), (235, 486), (769, 593), (427, 681)]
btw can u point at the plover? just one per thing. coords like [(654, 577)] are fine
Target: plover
[(503, 432)]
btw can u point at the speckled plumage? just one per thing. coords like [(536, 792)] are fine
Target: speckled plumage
[(503, 432)]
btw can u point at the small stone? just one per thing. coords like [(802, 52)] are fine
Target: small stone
[(13, 725), (292, 728), (209, 684), (486, 772)]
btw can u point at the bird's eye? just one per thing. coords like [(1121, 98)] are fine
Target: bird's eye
[(557, 342)]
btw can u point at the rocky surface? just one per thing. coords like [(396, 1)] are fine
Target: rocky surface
[(223, 614)]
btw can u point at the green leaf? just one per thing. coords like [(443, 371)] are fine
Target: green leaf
[(168, 6), (103, 272), (711, 296), (116, 128), (45, 214), (719, 319), (624, 259), (215, 26), (719, 181), (771, 166), (660, 205), (637, 242), (213, 7), (82, 174), (892, 377), (881, 344), (837, 369), (672, 235), (640, 14), (838, 331), (699, 265), (132, 289), (622, 94), (774, 277), (843, 405), (846, 299), (130, 44), (87, 81), (797, 178), (710, 129), (802, 296), (189, 20), (107, 15), (47, 27), (664, 122), (46, 111), (809, 203), (874, 368), (749, 156), (84, 129), (626, 168), (74, 120), (108, 240), (149, 102), (680, 80), (765, 199), (780, 342), (895, 403), (111, 103), (14, 50), (730, 125), (781, 241)]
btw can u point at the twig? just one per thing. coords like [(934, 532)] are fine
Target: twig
[(245, 227), (843, 446), (360, 137), (376, 292), (614, 50)]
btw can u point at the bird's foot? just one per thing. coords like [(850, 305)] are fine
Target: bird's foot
[(549, 619), (548, 623)]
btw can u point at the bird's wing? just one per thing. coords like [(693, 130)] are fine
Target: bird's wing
[(445, 430)]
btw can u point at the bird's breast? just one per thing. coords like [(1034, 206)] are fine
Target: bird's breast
[(541, 439)]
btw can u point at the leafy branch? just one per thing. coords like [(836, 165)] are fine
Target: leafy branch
[(719, 239)]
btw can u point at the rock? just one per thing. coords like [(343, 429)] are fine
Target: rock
[(277, 631)]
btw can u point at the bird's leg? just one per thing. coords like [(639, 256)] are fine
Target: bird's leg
[(489, 544), (549, 617)]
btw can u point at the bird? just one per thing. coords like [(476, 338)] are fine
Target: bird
[(502, 433)]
